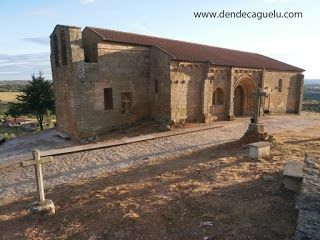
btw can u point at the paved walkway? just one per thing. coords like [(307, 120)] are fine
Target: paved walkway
[(16, 181)]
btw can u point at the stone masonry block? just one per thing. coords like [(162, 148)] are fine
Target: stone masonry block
[(259, 150)]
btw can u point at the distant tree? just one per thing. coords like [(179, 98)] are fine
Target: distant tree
[(37, 98), (14, 110)]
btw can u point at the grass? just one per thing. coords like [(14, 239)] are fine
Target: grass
[(17, 131), (6, 97)]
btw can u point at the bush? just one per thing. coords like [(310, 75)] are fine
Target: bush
[(8, 136)]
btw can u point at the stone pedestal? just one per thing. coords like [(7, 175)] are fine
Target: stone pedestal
[(231, 118), (255, 133), (46, 207), (259, 150)]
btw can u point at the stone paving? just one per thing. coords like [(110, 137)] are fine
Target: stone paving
[(308, 203), (16, 181)]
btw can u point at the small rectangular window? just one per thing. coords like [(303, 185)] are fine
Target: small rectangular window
[(108, 99)]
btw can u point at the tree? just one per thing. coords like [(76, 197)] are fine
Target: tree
[(37, 98), (14, 111)]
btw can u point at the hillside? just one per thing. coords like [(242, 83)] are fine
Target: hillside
[(180, 187), (13, 86), (311, 96)]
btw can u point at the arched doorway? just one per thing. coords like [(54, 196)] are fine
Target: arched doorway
[(244, 101), (238, 101)]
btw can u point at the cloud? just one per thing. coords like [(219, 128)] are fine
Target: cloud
[(38, 40), (84, 2), (43, 12), (9, 72), (21, 66)]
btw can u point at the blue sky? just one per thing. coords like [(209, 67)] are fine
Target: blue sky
[(26, 26)]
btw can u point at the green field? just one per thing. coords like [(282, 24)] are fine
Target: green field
[(5, 98), (8, 96)]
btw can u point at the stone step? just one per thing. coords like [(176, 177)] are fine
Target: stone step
[(63, 135), (293, 173), (293, 169)]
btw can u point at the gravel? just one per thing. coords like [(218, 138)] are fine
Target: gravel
[(16, 181)]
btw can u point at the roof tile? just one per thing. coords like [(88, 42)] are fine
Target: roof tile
[(188, 51)]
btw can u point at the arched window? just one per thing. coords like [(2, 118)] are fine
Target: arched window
[(64, 48), (218, 97), (55, 50), (280, 85)]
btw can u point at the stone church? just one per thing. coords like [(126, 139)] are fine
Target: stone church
[(105, 79)]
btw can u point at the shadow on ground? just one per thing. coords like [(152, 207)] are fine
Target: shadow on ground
[(216, 193)]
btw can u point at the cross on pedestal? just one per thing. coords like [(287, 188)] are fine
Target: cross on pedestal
[(43, 204), (258, 94)]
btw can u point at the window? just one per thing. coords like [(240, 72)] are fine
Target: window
[(218, 97), (108, 99), (280, 85), (126, 102), (64, 48), (55, 50)]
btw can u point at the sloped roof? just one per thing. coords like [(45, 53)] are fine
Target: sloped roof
[(194, 52)]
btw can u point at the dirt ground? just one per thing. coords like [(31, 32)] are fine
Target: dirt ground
[(216, 193)]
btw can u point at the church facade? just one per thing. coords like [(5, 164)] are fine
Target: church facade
[(105, 79)]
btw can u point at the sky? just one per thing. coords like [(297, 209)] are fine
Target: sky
[(26, 27)]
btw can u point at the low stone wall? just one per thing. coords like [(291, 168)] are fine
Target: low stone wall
[(308, 202)]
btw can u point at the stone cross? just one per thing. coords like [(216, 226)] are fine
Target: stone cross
[(126, 102), (258, 94), (36, 162)]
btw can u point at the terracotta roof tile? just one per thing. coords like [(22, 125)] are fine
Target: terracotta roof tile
[(187, 51)]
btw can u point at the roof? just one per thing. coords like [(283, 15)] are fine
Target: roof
[(187, 51), (63, 26)]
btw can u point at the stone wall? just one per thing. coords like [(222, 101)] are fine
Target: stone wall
[(125, 69), (186, 90), (160, 85), (216, 78), (283, 97), (90, 43), (144, 82), (64, 76)]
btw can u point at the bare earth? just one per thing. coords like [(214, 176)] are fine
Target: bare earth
[(196, 186)]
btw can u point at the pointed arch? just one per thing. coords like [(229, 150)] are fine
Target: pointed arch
[(218, 97), (244, 101)]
